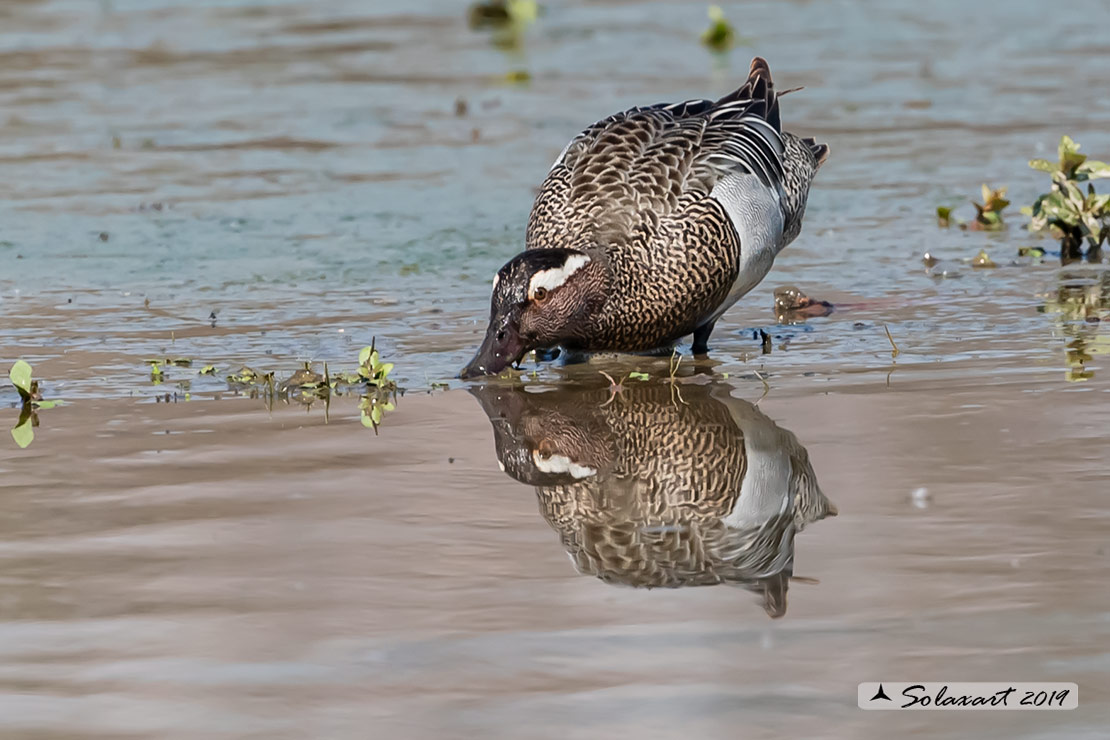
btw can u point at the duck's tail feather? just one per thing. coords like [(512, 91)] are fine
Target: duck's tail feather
[(760, 91)]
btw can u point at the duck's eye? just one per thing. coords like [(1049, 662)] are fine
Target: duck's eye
[(539, 294)]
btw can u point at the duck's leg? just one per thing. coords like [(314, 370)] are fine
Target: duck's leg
[(547, 355), (701, 338)]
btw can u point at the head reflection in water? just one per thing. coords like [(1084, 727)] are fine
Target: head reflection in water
[(652, 492)]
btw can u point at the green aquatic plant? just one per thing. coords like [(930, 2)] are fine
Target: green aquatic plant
[(507, 19), (502, 13), (371, 368), (1065, 211), (21, 376), (988, 214), (720, 36)]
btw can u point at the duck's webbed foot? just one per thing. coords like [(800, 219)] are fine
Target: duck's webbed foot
[(701, 338)]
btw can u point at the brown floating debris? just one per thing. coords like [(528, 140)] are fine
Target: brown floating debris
[(983, 260), (793, 306)]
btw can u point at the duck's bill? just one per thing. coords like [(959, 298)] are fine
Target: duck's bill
[(501, 348)]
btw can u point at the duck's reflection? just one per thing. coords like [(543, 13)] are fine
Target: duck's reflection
[(655, 491)]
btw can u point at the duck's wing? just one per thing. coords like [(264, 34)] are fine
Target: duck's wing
[(646, 163)]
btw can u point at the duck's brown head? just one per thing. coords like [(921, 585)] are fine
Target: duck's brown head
[(541, 298)]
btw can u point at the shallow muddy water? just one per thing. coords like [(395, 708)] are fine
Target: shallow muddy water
[(722, 554)]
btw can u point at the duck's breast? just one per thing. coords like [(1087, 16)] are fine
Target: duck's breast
[(756, 213)]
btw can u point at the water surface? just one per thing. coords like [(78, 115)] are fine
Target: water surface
[(275, 183)]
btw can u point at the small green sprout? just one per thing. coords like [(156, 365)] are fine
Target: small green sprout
[(639, 376), (720, 36), (944, 216)]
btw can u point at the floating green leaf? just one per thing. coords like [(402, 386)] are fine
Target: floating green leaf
[(20, 375), (639, 376)]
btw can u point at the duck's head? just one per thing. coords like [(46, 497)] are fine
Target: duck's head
[(541, 298)]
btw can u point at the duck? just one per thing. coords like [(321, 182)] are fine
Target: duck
[(650, 492), (651, 224)]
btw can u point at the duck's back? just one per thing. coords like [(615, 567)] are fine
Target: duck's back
[(650, 162)]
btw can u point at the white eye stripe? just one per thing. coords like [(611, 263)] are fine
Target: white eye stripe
[(556, 276), (557, 464)]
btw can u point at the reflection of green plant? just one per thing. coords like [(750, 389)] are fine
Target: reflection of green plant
[(372, 408), (1065, 210), (1081, 306), (31, 402), (720, 36)]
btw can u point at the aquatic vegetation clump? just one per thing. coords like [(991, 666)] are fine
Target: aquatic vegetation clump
[(1065, 211), (507, 19), (30, 395), (988, 214), (502, 13), (720, 36)]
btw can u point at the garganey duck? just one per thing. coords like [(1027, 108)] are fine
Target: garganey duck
[(650, 225), (651, 493)]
